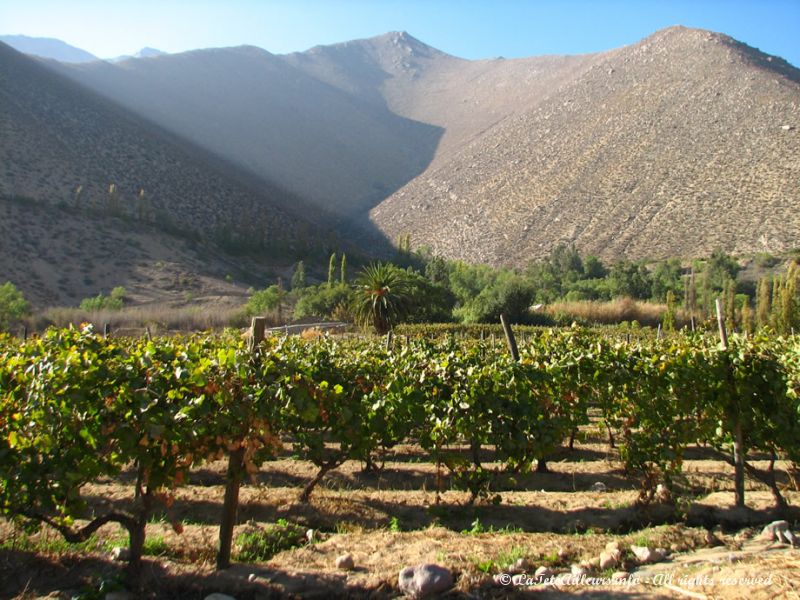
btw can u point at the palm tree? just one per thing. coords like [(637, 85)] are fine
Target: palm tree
[(382, 296)]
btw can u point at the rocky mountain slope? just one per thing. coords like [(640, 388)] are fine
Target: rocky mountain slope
[(676, 145), (64, 147)]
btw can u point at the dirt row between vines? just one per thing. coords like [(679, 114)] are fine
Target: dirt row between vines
[(390, 518)]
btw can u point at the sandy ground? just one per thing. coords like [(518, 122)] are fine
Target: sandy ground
[(395, 517)]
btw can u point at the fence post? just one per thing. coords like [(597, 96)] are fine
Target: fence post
[(235, 470), (106, 330), (512, 343)]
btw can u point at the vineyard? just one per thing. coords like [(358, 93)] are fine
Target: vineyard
[(78, 409)]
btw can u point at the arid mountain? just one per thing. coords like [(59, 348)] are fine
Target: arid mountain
[(48, 48), (676, 145), (65, 147), (342, 152)]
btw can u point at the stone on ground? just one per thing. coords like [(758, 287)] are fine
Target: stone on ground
[(423, 580)]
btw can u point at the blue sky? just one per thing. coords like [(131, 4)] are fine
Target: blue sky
[(466, 28)]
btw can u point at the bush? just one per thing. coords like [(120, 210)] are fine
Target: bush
[(13, 305), (322, 300), (263, 301), (261, 544), (101, 302)]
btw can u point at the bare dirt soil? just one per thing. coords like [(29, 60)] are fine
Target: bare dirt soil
[(390, 518)]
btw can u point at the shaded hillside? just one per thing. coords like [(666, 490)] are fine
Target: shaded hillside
[(58, 257), (681, 143), (63, 144), (342, 152), (108, 174)]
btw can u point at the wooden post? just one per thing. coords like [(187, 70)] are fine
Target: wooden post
[(658, 332), (738, 437), (24, 333), (230, 505), (512, 343), (147, 333), (106, 330), (389, 337), (257, 328)]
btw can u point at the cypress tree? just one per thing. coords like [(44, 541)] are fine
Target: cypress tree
[(789, 312), (763, 302), (747, 316), (299, 276), (729, 302), (668, 321), (331, 269)]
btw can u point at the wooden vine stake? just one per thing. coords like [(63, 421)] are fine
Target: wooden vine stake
[(512, 343), (738, 443), (230, 506)]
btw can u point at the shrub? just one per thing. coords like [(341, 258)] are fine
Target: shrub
[(13, 305), (263, 301), (260, 544), (101, 302)]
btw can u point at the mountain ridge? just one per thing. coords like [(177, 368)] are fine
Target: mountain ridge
[(620, 152)]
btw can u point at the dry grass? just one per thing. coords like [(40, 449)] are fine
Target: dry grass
[(157, 318), (616, 311)]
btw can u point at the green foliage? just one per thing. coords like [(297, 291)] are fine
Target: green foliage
[(13, 305), (331, 269), (114, 301), (509, 294), (668, 321), (299, 276), (382, 297), (75, 407), (259, 545), (322, 300), (630, 280), (263, 301)]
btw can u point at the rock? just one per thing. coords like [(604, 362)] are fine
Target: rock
[(424, 579), (598, 486), (778, 531), (252, 577), (712, 540), (311, 535), (579, 570), (218, 596), (647, 555), (521, 565), (543, 573), (614, 546), (345, 561), (564, 553), (787, 127), (620, 576), (120, 554), (609, 560)]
